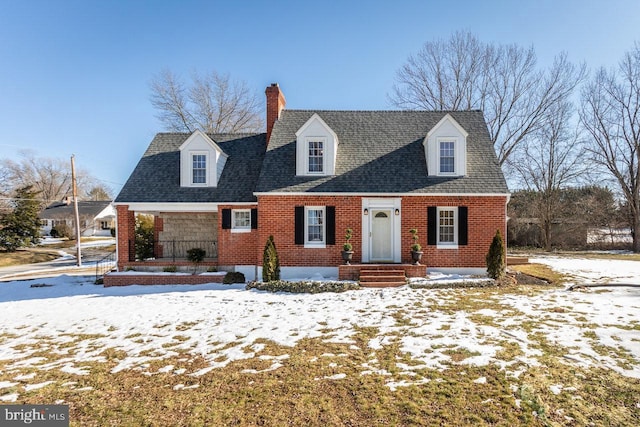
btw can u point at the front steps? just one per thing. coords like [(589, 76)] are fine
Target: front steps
[(382, 278), (380, 275)]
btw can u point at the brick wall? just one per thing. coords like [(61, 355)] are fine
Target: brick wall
[(276, 217), (486, 215), (115, 279), (238, 248)]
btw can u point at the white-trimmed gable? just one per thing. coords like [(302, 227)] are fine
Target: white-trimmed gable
[(316, 148), (445, 148), (201, 161)]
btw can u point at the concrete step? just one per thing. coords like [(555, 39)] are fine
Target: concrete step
[(381, 278), (382, 284)]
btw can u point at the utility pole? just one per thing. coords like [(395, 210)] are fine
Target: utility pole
[(75, 206)]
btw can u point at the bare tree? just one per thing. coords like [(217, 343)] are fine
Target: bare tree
[(212, 103), (49, 177), (501, 80), (98, 192), (550, 159), (611, 115)]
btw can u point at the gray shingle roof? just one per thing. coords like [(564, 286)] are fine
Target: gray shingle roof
[(380, 152), (62, 210), (156, 178)]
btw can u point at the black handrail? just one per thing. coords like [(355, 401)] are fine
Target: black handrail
[(104, 265)]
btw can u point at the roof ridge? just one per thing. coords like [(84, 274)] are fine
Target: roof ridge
[(306, 110), (215, 133)]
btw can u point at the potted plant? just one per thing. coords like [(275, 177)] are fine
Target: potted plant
[(347, 248), (416, 249)]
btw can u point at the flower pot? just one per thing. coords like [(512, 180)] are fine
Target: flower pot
[(416, 256), (347, 256)]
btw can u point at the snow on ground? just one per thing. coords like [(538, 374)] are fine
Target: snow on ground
[(76, 320)]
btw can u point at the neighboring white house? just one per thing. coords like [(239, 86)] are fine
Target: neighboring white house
[(97, 218)]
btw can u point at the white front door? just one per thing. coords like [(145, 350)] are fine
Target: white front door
[(381, 243)]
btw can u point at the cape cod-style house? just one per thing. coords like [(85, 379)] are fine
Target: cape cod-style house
[(313, 175)]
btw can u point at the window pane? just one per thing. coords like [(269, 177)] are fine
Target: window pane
[(241, 219), (199, 168), (447, 226), (447, 157), (316, 153), (315, 225)]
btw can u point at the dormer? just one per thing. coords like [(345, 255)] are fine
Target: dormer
[(445, 148), (201, 161), (316, 148)]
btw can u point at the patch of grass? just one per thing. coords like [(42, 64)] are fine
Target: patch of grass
[(185, 326), (541, 271), (304, 390), (459, 354), (26, 256)]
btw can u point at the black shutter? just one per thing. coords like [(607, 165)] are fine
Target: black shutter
[(254, 218), (432, 224), (331, 225), (299, 225), (226, 219), (463, 226)]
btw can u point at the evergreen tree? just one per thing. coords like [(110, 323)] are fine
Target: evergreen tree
[(21, 225), (496, 258), (144, 236), (270, 262)]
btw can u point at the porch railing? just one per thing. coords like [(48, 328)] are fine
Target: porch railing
[(171, 249)]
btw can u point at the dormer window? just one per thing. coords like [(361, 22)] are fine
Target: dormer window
[(447, 157), (201, 161), (199, 169), (316, 156), (316, 148), (445, 148)]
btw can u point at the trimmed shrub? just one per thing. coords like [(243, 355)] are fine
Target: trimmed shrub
[(61, 231), (233, 277), (270, 262), (196, 256), (303, 287), (496, 257), (212, 269), (170, 269)]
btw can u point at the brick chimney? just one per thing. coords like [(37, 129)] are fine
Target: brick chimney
[(275, 104)]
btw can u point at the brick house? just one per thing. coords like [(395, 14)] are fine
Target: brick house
[(312, 175)]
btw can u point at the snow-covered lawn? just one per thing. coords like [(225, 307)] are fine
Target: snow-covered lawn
[(74, 321)]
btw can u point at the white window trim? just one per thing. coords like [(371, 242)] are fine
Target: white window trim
[(456, 144), (207, 166), (447, 245), (308, 140), (234, 227), (314, 244)]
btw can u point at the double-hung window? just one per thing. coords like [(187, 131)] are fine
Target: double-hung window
[(316, 156), (315, 225), (447, 227), (198, 168), (447, 157), (241, 220)]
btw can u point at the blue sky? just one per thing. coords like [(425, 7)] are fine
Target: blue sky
[(74, 75)]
